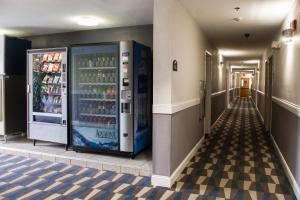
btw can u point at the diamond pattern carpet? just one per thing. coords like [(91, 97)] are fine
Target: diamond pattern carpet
[(236, 161)]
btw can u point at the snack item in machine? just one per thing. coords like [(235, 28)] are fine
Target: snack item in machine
[(60, 57), (50, 68), (45, 57), (56, 57), (50, 57), (45, 67), (56, 67)]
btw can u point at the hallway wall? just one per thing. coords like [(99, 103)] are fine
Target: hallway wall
[(218, 97), (286, 95), (177, 122)]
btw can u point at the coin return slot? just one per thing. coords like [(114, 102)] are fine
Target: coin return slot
[(125, 82), (125, 107)]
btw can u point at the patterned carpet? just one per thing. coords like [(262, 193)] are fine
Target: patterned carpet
[(236, 161)]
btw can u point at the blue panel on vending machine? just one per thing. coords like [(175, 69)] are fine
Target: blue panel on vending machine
[(142, 97)]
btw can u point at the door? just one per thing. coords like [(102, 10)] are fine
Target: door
[(2, 107), (208, 64), (244, 87), (93, 97), (268, 93)]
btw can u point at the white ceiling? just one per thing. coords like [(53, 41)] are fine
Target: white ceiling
[(36, 17), (261, 18)]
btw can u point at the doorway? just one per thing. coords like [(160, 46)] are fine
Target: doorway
[(268, 93), (245, 84), (207, 78)]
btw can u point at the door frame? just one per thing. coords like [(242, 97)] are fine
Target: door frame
[(268, 92), (207, 79)]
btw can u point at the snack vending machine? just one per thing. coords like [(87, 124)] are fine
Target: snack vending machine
[(47, 95), (110, 97)]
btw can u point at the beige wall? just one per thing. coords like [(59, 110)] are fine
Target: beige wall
[(162, 54), (285, 125), (218, 73), (176, 95), (177, 36), (286, 70)]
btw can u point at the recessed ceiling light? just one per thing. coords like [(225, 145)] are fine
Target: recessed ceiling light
[(88, 21)]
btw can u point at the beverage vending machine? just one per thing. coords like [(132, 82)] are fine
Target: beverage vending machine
[(47, 95), (110, 97)]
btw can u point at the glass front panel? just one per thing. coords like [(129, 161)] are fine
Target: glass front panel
[(94, 97), (47, 101)]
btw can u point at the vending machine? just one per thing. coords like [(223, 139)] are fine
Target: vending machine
[(47, 95), (110, 97)]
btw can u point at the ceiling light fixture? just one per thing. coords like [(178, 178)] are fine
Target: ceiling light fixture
[(237, 9), (237, 19), (88, 21)]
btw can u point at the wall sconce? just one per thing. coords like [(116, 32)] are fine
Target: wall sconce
[(287, 35)]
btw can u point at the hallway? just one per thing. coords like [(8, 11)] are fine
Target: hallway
[(237, 161)]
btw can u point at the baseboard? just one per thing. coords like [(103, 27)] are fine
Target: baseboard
[(287, 170), (168, 181), (212, 126)]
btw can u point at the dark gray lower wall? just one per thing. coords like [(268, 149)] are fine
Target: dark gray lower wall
[(187, 130), (261, 104), (286, 132), (253, 95), (218, 106), (174, 136), (161, 149), (142, 34), (231, 95)]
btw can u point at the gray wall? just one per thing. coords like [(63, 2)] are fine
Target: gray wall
[(261, 104), (286, 132), (173, 140), (218, 105), (231, 95), (185, 135), (253, 92), (142, 34), (162, 131), (285, 126), (177, 36)]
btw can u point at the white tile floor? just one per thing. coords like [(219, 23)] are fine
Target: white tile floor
[(140, 165)]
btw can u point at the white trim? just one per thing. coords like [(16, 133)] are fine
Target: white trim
[(260, 115), (218, 93), (173, 108), (287, 170), (162, 108), (294, 108), (260, 92), (184, 105), (212, 126), (168, 181)]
